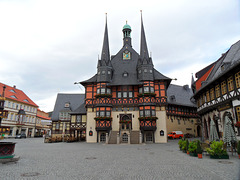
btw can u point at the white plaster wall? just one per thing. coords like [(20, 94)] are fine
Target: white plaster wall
[(236, 102), (161, 125), (91, 125), (116, 118)]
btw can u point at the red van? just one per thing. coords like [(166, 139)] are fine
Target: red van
[(175, 135)]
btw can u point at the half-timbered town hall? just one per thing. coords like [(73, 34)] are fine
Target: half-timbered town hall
[(127, 95)]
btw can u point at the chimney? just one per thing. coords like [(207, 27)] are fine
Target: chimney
[(14, 86), (186, 87)]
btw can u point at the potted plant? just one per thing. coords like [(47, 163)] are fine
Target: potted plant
[(184, 146), (238, 149), (192, 148), (199, 150), (217, 151), (180, 144), (187, 146)]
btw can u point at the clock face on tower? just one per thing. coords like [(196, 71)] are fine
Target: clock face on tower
[(126, 55)]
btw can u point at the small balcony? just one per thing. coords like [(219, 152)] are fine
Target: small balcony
[(103, 123), (148, 123)]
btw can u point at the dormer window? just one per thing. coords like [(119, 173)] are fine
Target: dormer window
[(25, 100), (125, 74), (13, 97), (67, 105), (12, 91)]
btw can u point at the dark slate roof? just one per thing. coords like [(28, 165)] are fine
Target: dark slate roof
[(75, 101), (180, 95), (90, 80), (160, 76), (229, 60), (80, 110), (200, 73), (105, 57), (143, 45), (120, 66)]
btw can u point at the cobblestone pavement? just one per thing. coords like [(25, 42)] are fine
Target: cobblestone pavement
[(39, 160)]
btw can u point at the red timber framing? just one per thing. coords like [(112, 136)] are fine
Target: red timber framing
[(126, 95), (146, 96), (181, 111), (147, 118)]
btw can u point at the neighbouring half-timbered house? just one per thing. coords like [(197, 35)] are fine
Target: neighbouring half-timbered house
[(219, 94), (61, 116), (182, 111)]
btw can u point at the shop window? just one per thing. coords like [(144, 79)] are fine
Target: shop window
[(237, 79), (223, 88), (230, 84), (207, 96), (217, 90), (212, 94)]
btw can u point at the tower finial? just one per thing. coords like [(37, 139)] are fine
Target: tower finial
[(105, 56), (143, 45)]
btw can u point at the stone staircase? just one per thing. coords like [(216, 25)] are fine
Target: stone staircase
[(113, 137), (134, 137)]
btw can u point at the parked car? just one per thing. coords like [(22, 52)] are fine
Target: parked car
[(175, 134), (19, 136), (188, 135)]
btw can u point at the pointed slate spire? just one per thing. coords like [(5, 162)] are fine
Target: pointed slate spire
[(105, 56), (143, 46), (192, 80), (193, 86)]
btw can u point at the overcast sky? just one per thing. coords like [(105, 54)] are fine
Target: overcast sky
[(47, 45)]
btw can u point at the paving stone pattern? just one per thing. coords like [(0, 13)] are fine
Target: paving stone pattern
[(71, 161)]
